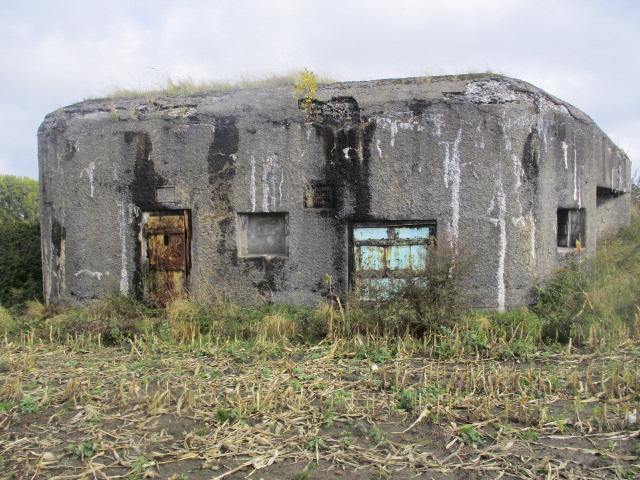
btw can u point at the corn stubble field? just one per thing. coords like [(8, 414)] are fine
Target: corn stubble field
[(416, 387), (153, 410)]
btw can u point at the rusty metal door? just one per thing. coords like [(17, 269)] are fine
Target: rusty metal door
[(386, 257), (168, 254)]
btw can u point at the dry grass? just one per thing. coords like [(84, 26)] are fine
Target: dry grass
[(366, 408), (188, 86), (277, 327)]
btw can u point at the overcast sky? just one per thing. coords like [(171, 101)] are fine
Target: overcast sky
[(54, 53)]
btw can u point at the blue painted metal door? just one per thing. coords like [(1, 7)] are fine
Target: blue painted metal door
[(386, 257)]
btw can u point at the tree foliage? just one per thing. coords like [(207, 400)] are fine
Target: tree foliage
[(20, 263), (18, 198)]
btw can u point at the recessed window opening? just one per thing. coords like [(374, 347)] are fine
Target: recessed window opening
[(572, 227), (319, 196), (604, 194), (263, 234)]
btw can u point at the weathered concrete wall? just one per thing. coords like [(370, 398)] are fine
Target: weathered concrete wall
[(488, 158)]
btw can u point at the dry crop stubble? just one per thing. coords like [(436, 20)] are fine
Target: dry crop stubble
[(200, 410)]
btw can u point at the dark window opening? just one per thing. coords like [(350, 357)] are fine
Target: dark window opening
[(262, 234), (604, 194), (319, 196), (572, 227)]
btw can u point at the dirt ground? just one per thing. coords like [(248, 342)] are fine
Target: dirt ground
[(267, 411)]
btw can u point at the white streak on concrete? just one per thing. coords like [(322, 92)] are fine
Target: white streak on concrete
[(122, 229), (97, 275), (576, 181), (502, 252), (620, 183), (252, 187), (519, 221), (378, 142), (280, 186), (272, 189), (308, 134), (517, 170), (265, 188), (438, 122), (89, 171), (452, 181), (532, 236), (270, 167), (479, 139), (46, 270), (500, 200), (564, 149), (490, 91), (447, 161), (345, 152), (62, 266), (394, 130)]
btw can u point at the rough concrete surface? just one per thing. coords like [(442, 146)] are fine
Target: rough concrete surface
[(489, 159)]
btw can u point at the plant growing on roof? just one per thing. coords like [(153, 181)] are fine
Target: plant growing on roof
[(305, 91)]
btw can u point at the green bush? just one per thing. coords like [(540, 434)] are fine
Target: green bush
[(560, 301), (420, 308)]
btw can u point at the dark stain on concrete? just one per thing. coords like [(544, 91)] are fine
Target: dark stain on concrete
[(274, 275), (220, 161), (344, 168), (418, 106), (346, 138), (70, 150), (58, 235), (222, 170), (531, 157), (227, 230), (145, 178), (224, 145), (143, 189)]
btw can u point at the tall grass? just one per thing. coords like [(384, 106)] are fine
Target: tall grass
[(599, 298)]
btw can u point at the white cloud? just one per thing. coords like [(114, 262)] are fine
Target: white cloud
[(57, 53)]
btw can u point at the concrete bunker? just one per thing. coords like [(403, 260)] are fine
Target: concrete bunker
[(246, 195)]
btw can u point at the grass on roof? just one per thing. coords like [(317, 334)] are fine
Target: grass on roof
[(187, 85)]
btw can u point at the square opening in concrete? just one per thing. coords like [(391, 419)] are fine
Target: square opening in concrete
[(572, 227), (263, 234)]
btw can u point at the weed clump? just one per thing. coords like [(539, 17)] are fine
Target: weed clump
[(6, 322), (113, 319), (595, 300), (419, 309)]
